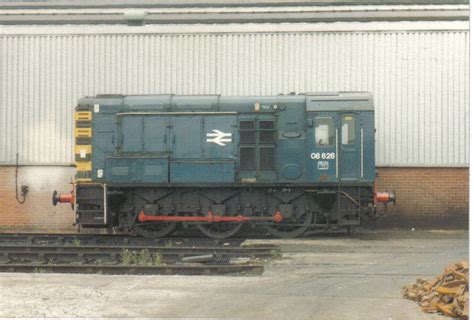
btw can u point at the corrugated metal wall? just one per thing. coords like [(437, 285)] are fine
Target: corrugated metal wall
[(419, 79)]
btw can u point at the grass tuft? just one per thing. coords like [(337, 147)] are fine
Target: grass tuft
[(141, 258)]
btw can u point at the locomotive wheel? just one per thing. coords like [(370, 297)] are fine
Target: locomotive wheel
[(286, 230), (154, 230), (220, 230)]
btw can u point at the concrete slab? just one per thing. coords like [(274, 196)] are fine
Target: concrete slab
[(321, 277)]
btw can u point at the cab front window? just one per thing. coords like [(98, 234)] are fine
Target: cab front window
[(324, 132)]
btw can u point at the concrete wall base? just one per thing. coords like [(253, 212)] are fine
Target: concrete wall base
[(428, 198), (37, 213)]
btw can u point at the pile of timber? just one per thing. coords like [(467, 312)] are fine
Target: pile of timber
[(447, 293)]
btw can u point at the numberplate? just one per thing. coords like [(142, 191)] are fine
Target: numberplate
[(323, 155)]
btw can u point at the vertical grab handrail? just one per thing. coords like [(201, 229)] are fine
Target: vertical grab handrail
[(337, 155), (361, 153), (105, 203)]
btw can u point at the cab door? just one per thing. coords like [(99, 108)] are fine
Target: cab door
[(349, 144), (322, 147)]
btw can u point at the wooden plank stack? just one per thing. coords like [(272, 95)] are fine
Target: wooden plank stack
[(447, 293)]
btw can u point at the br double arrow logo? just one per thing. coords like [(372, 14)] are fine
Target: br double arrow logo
[(218, 137)]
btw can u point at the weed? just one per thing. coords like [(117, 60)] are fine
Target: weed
[(128, 257), (144, 258), (75, 242), (141, 258), (158, 259)]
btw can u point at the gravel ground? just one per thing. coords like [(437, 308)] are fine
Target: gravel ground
[(319, 277)]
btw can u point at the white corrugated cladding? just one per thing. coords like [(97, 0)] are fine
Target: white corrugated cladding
[(418, 74)]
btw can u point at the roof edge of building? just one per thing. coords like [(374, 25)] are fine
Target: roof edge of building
[(210, 3)]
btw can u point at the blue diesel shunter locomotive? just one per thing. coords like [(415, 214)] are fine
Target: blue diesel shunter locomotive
[(286, 163)]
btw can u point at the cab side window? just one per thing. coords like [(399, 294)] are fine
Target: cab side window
[(324, 132), (348, 130)]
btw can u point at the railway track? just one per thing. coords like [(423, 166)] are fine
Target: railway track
[(108, 239), (71, 253), (115, 254)]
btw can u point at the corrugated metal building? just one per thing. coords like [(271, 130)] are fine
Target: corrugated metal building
[(415, 62)]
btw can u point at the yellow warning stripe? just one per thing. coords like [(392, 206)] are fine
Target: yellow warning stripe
[(84, 165), (83, 152), (83, 115), (83, 132), (85, 149)]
